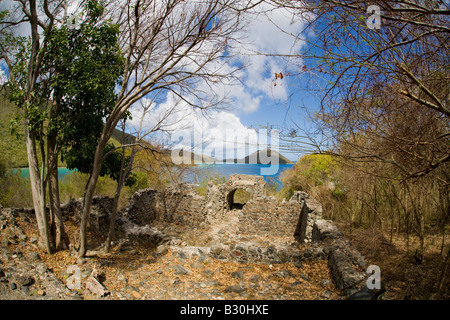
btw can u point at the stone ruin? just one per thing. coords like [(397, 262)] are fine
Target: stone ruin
[(262, 215), (291, 231)]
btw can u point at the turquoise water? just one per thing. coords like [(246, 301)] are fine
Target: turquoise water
[(25, 172)]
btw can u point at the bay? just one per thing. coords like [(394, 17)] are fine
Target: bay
[(201, 171)]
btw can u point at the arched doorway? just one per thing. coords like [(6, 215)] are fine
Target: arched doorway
[(237, 198)]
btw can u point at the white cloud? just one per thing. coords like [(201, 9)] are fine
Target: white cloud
[(265, 44), (269, 43), (169, 115), (3, 77), (220, 133), (216, 133)]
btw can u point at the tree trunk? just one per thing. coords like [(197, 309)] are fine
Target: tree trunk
[(444, 272), (361, 212), (120, 183), (90, 189), (112, 222), (37, 191), (406, 211), (444, 200), (88, 196), (57, 226), (36, 178), (421, 229), (391, 236)]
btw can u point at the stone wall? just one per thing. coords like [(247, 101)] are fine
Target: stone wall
[(311, 211), (346, 264), (248, 252), (143, 207), (178, 204), (125, 228), (261, 215), (299, 218), (267, 216), (181, 204), (99, 215), (219, 197)]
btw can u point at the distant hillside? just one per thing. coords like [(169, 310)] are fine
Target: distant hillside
[(194, 157), (255, 158), (14, 154), (120, 136), (13, 149)]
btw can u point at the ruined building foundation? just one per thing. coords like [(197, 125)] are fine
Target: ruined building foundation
[(263, 231)]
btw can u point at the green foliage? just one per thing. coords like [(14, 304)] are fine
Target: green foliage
[(73, 186), (12, 145), (81, 158), (140, 181), (273, 187), (310, 171), (317, 169), (206, 179), (81, 67), (86, 65), (95, 9), (15, 190), (112, 165), (2, 167), (241, 196), (339, 194), (18, 71)]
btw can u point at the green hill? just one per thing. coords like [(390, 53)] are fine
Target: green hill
[(13, 149), (194, 157), (119, 136), (267, 153)]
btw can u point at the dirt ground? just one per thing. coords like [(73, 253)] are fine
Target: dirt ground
[(133, 272), (406, 278)]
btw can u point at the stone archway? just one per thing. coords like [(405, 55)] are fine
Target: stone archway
[(237, 198), (221, 197)]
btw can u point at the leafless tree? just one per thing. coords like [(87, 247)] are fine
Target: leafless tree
[(164, 122), (172, 45), (175, 46), (367, 77)]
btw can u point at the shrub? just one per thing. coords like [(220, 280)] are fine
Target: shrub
[(15, 190), (309, 173), (203, 185), (241, 196)]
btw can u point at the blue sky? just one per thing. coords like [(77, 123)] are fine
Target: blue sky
[(259, 100)]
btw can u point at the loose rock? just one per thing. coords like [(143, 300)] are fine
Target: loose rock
[(238, 274), (235, 289)]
